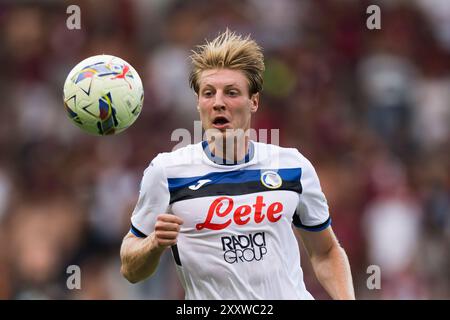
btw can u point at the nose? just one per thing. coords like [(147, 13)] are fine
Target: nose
[(219, 104)]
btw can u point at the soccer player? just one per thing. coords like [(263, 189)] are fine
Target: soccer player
[(228, 206)]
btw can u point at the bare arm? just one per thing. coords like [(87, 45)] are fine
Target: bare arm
[(330, 263), (140, 256)]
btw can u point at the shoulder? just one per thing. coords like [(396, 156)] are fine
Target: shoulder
[(168, 165), (285, 156), (182, 156)]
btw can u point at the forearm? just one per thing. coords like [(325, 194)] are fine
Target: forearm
[(334, 274), (139, 257)]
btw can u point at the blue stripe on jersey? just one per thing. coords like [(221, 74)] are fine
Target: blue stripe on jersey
[(238, 176), (137, 232), (296, 221)]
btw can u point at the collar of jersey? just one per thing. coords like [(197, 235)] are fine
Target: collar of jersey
[(248, 157)]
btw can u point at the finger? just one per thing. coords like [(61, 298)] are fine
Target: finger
[(167, 235), (170, 218), (166, 243), (167, 226)]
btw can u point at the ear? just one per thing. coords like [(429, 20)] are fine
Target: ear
[(254, 102), (196, 96)]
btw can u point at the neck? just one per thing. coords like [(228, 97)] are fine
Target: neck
[(232, 149)]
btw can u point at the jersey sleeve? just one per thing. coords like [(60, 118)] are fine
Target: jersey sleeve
[(312, 212), (153, 200)]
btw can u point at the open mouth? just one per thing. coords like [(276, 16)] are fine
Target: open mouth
[(220, 122)]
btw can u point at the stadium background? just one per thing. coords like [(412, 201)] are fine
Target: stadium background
[(370, 109)]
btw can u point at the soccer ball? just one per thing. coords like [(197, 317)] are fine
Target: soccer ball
[(103, 95)]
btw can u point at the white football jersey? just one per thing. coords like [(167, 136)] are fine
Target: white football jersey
[(237, 240)]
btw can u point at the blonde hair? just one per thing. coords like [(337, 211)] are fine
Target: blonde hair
[(230, 51)]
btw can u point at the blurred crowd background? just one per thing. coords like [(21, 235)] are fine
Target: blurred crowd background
[(369, 108)]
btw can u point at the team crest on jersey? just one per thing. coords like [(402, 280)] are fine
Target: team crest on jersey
[(271, 179)]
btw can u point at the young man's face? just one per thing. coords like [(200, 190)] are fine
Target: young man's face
[(224, 101)]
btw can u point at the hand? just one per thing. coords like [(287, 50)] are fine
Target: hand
[(167, 228)]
